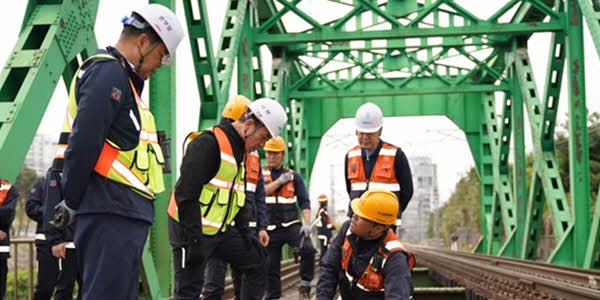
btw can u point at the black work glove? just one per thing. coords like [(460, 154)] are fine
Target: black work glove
[(63, 217)]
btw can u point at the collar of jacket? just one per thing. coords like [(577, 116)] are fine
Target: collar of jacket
[(372, 155), (135, 78), (237, 143)]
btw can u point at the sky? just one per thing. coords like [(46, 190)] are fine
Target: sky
[(436, 137)]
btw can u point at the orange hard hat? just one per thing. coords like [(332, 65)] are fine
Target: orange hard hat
[(322, 198), (236, 107), (276, 144), (378, 206)]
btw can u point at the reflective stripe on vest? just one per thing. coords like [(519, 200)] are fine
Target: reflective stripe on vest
[(223, 196), (252, 171), (370, 280), (4, 249), (140, 168), (4, 189), (383, 175), (286, 194)]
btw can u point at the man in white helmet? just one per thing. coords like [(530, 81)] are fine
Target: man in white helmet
[(375, 164), (113, 161), (210, 195)]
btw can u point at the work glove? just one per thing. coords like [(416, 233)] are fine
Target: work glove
[(194, 254), (286, 177), (63, 217), (306, 230)]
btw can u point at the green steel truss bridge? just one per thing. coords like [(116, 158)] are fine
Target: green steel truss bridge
[(396, 53)]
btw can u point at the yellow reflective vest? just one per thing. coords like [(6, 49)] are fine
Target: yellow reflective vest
[(140, 168)]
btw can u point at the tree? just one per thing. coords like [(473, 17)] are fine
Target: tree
[(27, 177)]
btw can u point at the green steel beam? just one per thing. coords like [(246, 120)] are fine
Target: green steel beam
[(158, 272), (537, 198), (591, 11), (204, 61), (592, 255), (519, 164), (545, 165), (579, 156), (229, 46), (245, 57), (483, 28), (486, 174), (416, 88), (51, 37)]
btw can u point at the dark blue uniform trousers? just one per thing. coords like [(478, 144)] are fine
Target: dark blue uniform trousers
[(109, 250), (240, 250), (52, 280), (279, 237)]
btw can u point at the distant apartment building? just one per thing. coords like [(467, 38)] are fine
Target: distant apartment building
[(41, 153), (415, 219)]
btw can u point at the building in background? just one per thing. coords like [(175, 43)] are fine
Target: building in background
[(40, 155), (415, 219)]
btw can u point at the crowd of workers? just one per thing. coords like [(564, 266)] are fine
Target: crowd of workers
[(94, 205)]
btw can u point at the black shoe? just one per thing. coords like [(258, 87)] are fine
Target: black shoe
[(304, 292)]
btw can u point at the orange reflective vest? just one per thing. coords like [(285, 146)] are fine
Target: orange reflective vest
[(223, 196), (372, 279), (252, 171), (4, 189), (383, 175), (285, 195)]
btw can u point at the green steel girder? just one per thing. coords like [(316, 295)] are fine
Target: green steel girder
[(158, 266), (229, 45), (519, 164), (546, 169), (592, 254), (591, 11), (537, 197), (51, 37), (483, 28), (204, 64), (579, 156)]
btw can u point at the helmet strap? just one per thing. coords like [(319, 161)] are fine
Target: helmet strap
[(138, 68)]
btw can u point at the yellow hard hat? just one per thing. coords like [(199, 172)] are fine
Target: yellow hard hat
[(236, 107), (378, 206), (276, 144), (322, 198)]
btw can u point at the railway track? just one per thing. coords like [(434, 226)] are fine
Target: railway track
[(504, 278), (290, 278)]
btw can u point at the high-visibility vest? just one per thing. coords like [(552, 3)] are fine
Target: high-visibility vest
[(4, 189), (252, 171), (285, 195), (140, 168), (372, 279), (383, 175), (223, 196)]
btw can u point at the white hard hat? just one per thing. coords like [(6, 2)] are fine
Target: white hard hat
[(369, 118), (270, 113), (165, 24)]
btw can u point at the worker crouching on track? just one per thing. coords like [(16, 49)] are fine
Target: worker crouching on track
[(286, 193), (367, 259), (208, 196)]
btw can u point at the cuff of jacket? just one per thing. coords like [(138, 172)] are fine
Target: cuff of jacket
[(190, 218)]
